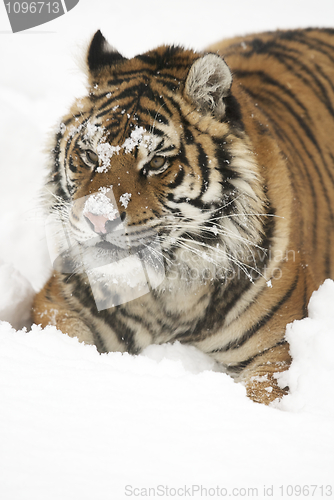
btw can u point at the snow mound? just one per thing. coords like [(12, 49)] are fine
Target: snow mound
[(78, 425), (16, 295), (311, 375), (192, 359)]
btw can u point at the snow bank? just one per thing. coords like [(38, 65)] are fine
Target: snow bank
[(78, 425), (311, 375), (16, 295)]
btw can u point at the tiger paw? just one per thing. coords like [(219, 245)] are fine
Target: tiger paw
[(264, 389)]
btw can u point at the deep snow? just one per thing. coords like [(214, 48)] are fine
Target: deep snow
[(77, 425)]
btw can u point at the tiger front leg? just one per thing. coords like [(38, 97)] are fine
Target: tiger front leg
[(50, 308), (260, 377)]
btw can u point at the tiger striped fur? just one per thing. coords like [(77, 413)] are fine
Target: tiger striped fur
[(231, 165)]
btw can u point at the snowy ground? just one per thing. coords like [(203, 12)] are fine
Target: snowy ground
[(75, 425)]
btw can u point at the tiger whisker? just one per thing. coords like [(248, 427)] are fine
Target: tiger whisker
[(242, 265), (238, 263), (220, 232)]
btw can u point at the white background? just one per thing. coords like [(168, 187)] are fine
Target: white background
[(75, 425)]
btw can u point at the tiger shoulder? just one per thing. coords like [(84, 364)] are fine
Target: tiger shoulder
[(191, 198)]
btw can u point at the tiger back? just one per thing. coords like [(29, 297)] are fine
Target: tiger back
[(212, 176)]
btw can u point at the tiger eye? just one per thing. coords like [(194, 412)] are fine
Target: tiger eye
[(92, 156), (157, 162)]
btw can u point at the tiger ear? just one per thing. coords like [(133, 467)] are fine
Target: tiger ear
[(101, 54), (209, 81)]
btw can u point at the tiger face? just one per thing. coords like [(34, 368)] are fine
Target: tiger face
[(155, 159)]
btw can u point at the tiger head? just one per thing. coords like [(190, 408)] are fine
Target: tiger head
[(157, 150)]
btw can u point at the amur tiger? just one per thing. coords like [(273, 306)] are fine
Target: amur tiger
[(191, 199)]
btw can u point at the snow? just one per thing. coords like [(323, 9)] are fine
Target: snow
[(76, 425), (124, 199), (16, 295), (105, 151), (311, 375), (135, 138), (100, 204), (91, 130)]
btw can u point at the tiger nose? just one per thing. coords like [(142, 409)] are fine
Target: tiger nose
[(102, 224), (98, 222)]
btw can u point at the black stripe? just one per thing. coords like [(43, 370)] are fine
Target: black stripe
[(280, 133), (117, 111), (155, 114), (315, 43), (67, 147), (268, 80), (56, 153), (162, 102), (202, 161), (99, 97), (329, 251), (321, 93), (305, 301), (234, 289), (177, 180), (259, 46), (111, 101), (100, 345), (118, 325), (233, 114), (211, 319), (81, 114), (224, 159), (113, 318), (310, 136), (131, 92), (157, 117), (166, 80), (161, 60), (166, 149), (115, 82), (298, 162), (236, 369), (72, 167), (235, 344), (197, 203), (106, 111), (189, 138), (115, 124), (143, 318), (182, 156)]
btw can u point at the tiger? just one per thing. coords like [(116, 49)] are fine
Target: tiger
[(190, 198)]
